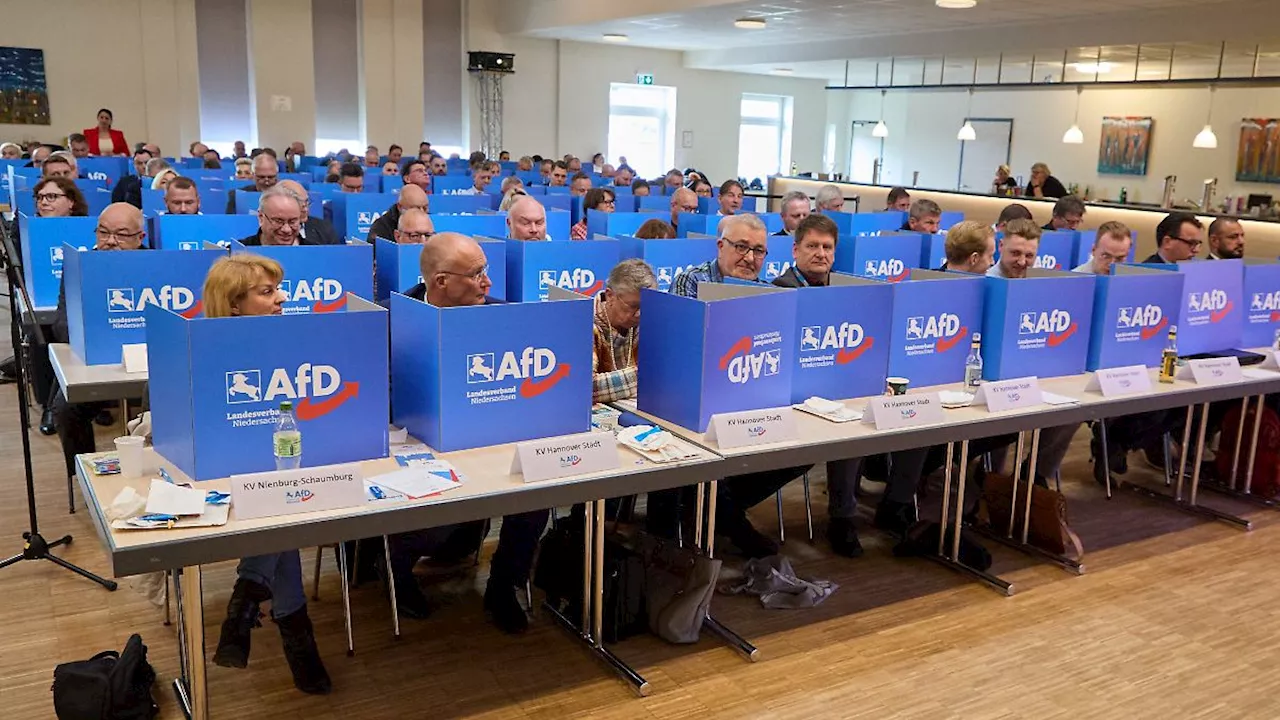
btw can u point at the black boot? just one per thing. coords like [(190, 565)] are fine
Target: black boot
[(501, 603), (300, 650), (242, 617), (46, 422)]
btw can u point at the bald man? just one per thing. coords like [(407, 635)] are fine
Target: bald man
[(527, 220), (415, 227), (119, 228), (411, 197), (314, 230), (682, 201)]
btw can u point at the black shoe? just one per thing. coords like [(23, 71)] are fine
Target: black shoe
[(843, 537), (300, 650), (1117, 457), (46, 422), (104, 418), (411, 602), (242, 618), (501, 604), (749, 541), (895, 517)]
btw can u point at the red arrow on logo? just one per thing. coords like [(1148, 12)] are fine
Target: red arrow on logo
[(1218, 315), (597, 287), (533, 388), (899, 277), (844, 357), (1275, 316), (309, 409), (1056, 339), (323, 307), (193, 311), (739, 348), (1148, 333), (945, 344)]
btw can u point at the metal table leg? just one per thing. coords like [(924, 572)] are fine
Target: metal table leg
[(1245, 492), (952, 559), (729, 637), (191, 686)]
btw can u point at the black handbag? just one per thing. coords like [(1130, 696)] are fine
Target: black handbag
[(108, 686), (559, 575)]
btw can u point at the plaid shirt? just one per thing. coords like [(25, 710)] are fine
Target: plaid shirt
[(612, 377), (686, 282)]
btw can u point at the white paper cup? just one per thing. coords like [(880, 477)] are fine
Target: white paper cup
[(130, 448)]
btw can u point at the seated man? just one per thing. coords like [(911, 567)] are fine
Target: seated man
[(731, 194), (795, 208), (455, 273), (129, 188), (1011, 212), (59, 164), (415, 227), (829, 199), (924, 217), (617, 331), (411, 197), (899, 199), (682, 201), (351, 178), (580, 184), (639, 188), (415, 172), (182, 197), (279, 219), (480, 179), (314, 230), (266, 173), (119, 228), (527, 220), (559, 174), (1068, 213)]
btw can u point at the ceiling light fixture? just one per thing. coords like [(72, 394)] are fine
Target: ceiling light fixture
[(1074, 135), (749, 23), (881, 130), (1092, 68), (1206, 139), (966, 131), (615, 38), (956, 4), (782, 71)]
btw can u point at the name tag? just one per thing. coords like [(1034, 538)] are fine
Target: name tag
[(899, 411), (752, 427), (557, 457), (1272, 361), (1114, 382), (285, 492), (1000, 395), (1211, 371), (134, 357)]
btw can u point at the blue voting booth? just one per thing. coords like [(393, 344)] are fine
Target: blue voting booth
[(934, 315), (217, 385), (727, 350), (842, 332), (668, 258), (1084, 246), (889, 256), (843, 221), (398, 268), (780, 258), (877, 222), (582, 267), (451, 184), (43, 254), (355, 213), (1038, 325), (493, 226), (948, 219), (1132, 310), (108, 294), (190, 232), (1057, 250), (466, 377), (106, 169), (687, 223), (617, 224), (1212, 309), (318, 278), (212, 201), (933, 250), (1262, 293), (453, 204)]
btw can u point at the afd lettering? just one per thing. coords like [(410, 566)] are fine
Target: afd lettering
[(667, 274), (1139, 323), (930, 334), (1264, 307), (313, 295), (1047, 262), (1044, 329), (892, 269), (318, 390), (1207, 307), (168, 297), (833, 344), (580, 280), (96, 175), (535, 368), (292, 497)]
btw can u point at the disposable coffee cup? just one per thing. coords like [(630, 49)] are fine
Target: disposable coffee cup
[(129, 448), (897, 385)]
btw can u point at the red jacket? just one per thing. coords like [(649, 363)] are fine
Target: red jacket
[(118, 145)]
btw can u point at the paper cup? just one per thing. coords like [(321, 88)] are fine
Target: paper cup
[(896, 385), (130, 448)]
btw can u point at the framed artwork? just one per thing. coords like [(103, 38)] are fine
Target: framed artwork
[(1125, 145), (1258, 156), (24, 98)]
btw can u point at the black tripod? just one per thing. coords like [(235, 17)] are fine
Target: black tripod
[(34, 547)]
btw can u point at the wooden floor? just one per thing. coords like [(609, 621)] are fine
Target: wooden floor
[(1176, 618)]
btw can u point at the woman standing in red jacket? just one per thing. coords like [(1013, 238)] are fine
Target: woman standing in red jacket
[(103, 140)]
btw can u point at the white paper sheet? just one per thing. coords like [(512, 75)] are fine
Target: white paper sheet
[(173, 499), (419, 481)]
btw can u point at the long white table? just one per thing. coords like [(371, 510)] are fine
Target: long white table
[(90, 383)]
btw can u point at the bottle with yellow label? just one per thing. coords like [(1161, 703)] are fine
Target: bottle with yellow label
[(1169, 358)]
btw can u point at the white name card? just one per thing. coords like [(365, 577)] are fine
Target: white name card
[(1115, 382), (1211, 371), (285, 492), (899, 411), (557, 457), (134, 357), (1271, 360), (1000, 395), (752, 427)]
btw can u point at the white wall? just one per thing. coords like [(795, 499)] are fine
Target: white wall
[(923, 125)]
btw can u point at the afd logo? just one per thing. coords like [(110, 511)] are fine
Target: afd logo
[(365, 218), (847, 339), (774, 269), (1149, 319), (891, 269), (756, 431), (1047, 262), (1057, 324), (536, 368), (189, 245), (317, 389), (293, 497), (667, 274), (324, 294), (97, 175), (742, 365), (1266, 303), (178, 299), (1214, 302), (567, 461), (908, 413), (944, 329), (55, 256), (580, 280)]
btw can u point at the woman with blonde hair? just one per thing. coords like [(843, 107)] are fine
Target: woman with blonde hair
[(1043, 184), (1004, 184), (248, 285), (510, 197), (163, 178), (244, 169)]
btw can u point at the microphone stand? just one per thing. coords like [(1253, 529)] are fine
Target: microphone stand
[(34, 546)]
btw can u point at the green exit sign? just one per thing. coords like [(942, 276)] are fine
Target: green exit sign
[(644, 78)]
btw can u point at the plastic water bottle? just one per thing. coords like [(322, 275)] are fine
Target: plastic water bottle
[(287, 439), (973, 363)]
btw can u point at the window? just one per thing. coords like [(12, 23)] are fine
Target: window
[(228, 110), (642, 127), (764, 138)]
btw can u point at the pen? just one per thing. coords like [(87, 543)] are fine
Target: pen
[(377, 493)]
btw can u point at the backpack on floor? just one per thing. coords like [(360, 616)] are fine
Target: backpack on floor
[(108, 686), (1266, 464)]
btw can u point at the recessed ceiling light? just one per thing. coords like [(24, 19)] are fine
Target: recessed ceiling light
[(749, 23), (615, 38), (781, 71), (955, 4)]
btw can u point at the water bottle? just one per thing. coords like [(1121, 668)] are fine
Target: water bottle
[(973, 363), (287, 439), (1124, 195)]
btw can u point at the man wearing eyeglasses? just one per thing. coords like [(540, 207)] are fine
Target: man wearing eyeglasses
[(411, 198), (414, 227), (314, 230), (266, 172), (1068, 214), (119, 228), (740, 253), (1178, 237), (1110, 246), (279, 220), (682, 201)]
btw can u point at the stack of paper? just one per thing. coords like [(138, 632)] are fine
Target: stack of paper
[(422, 478)]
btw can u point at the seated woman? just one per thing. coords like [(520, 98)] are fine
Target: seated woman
[(597, 199), (248, 285)]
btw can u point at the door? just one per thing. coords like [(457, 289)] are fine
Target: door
[(864, 150), (980, 158)]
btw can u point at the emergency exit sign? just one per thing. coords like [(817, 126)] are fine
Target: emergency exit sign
[(644, 78)]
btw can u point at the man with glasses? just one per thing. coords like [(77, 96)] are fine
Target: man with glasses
[(415, 172), (740, 253), (1226, 239), (314, 230), (1110, 246), (266, 172), (1068, 214), (414, 227), (351, 178), (119, 228), (1178, 238), (279, 220), (411, 198), (682, 201)]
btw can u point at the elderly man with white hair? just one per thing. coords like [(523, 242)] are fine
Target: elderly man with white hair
[(829, 199), (795, 208), (527, 220), (279, 220)]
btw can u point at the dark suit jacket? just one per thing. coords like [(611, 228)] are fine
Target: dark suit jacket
[(782, 233), (256, 240), (231, 197), (129, 190), (320, 232), (791, 279), (385, 226), (1155, 258)]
